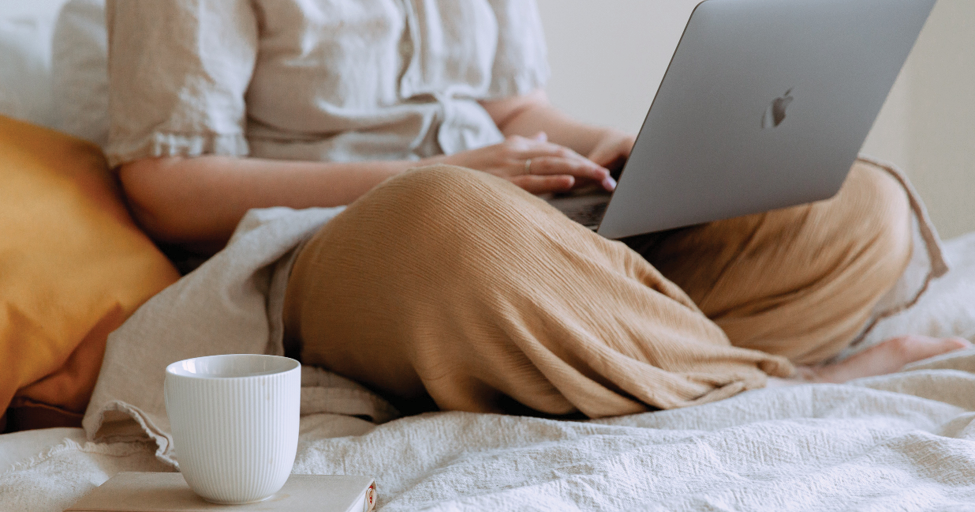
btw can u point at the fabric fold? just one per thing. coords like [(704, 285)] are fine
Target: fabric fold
[(220, 308)]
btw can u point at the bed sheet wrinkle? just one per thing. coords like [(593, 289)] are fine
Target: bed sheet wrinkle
[(886, 443), (952, 387)]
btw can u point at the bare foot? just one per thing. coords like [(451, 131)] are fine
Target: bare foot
[(883, 358)]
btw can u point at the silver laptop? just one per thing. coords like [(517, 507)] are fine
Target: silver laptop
[(765, 105)]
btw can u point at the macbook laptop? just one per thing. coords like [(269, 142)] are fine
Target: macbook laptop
[(765, 105)]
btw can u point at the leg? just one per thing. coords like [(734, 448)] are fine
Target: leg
[(801, 282), (456, 284), (883, 358)]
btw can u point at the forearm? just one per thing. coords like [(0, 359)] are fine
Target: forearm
[(530, 114), (200, 200)]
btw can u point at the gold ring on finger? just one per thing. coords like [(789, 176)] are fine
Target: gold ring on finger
[(528, 166)]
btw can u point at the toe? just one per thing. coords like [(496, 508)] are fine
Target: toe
[(959, 343), (915, 348)]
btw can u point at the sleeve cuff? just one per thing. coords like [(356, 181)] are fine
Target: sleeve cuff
[(174, 144), (518, 84)]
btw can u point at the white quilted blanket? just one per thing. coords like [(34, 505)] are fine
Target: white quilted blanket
[(900, 442)]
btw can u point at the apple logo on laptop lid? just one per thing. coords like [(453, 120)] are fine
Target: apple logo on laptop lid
[(775, 113)]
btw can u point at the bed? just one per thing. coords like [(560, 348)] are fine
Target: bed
[(904, 441), (900, 442)]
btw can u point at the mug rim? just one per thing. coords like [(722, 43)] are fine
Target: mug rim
[(173, 369)]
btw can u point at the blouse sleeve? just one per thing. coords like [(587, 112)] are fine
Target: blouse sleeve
[(521, 60), (178, 72)]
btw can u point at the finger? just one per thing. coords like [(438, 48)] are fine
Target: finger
[(535, 149), (606, 156), (543, 184), (613, 146), (585, 169), (541, 137)]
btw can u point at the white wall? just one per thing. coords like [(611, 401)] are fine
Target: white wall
[(17, 8), (609, 56), (942, 116)]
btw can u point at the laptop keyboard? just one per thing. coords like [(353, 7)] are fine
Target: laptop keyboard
[(588, 215)]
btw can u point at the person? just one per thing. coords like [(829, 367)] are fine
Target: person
[(446, 282)]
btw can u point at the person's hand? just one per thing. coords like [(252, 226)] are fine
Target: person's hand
[(612, 149), (534, 164)]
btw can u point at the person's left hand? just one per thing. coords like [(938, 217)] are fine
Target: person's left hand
[(612, 150)]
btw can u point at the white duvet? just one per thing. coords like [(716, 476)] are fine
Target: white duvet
[(899, 442)]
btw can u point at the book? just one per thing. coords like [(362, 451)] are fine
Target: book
[(169, 492)]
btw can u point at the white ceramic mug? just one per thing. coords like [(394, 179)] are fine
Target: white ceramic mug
[(234, 420)]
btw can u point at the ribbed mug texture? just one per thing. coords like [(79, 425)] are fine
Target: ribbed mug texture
[(235, 437)]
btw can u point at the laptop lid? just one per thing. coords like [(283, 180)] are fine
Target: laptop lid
[(765, 105)]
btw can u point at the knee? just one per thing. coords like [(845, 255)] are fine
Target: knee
[(883, 209), (447, 198), (430, 187)]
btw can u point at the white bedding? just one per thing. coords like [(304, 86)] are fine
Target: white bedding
[(899, 442)]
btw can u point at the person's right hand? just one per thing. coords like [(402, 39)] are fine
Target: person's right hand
[(534, 164)]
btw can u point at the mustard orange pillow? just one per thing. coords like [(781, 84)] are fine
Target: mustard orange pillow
[(73, 267)]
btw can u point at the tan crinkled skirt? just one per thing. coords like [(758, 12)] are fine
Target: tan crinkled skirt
[(450, 287)]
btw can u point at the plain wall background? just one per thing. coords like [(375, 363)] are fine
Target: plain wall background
[(608, 56), (16, 8)]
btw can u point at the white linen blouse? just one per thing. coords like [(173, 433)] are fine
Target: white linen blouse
[(325, 80)]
